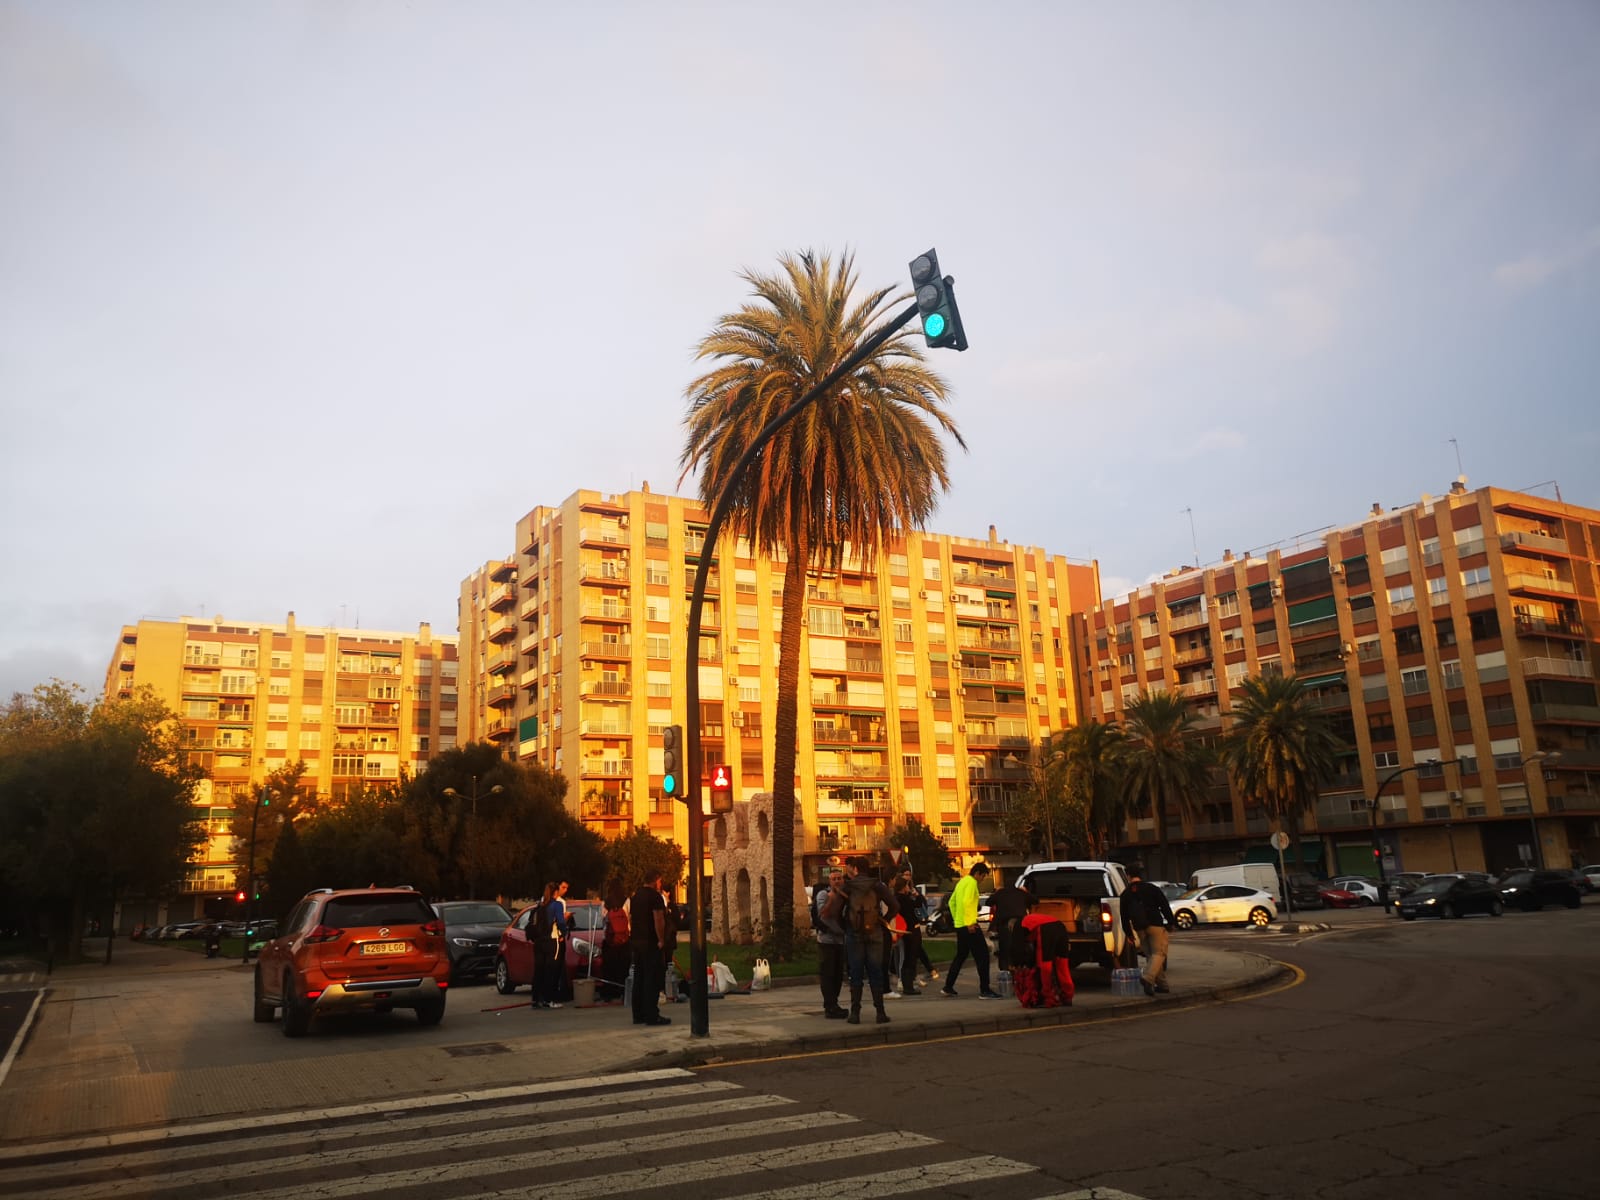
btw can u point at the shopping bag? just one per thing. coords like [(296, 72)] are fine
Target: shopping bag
[(762, 979)]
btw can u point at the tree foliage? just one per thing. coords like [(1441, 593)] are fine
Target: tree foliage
[(931, 863), (96, 801), (633, 857), (1280, 746), (857, 467), (1165, 766)]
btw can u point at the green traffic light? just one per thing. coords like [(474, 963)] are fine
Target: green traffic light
[(933, 325), (669, 785)]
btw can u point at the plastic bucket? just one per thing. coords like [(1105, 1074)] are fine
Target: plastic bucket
[(1125, 982), (583, 992)]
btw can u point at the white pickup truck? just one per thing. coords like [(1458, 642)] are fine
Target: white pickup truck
[(1086, 897)]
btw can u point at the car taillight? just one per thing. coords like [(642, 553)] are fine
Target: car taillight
[(324, 933), (1105, 915), (434, 927)]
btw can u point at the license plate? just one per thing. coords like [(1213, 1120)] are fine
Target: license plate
[(384, 948)]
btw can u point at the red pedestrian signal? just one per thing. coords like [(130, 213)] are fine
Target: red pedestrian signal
[(721, 789), (239, 897)]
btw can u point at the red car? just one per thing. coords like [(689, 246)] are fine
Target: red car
[(586, 925), (1335, 897)]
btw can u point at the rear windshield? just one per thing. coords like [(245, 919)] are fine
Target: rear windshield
[(589, 917), (1068, 884), (474, 914), (392, 909), (1432, 886)]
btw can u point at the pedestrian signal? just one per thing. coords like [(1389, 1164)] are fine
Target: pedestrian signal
[(721, 789)]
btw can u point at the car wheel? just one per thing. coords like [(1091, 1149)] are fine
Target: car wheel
[(1405, 916), (264, 1012), (431, 1013), (1260, 918), (1496, 908), (1365, 902), (1448, 911), (296, 1013), (502, 978), (1184, 919)]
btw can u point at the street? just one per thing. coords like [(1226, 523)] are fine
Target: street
[(1417, 1060)]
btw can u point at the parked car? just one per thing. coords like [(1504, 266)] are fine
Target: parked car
[(472, 936), (1532, 890), (1224, 904), (1170, 890), (1402, 885), (357, 950), (513, 965), (1304, 892), (1261, 876), (1451, 896), (1361, 886), (1577, 878), (1338, 897), (1592, 874), (984, 910), (1086, 897)]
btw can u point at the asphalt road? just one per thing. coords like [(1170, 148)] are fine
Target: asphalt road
[(1415, 1060)]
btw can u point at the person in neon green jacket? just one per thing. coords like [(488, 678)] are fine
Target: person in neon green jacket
[(969, 938)]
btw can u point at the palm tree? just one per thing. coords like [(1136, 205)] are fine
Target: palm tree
[(857, 467), (1093, 754), (1279, 747), (1164, 762)]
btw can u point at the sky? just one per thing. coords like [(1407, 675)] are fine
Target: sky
[(302, 305)]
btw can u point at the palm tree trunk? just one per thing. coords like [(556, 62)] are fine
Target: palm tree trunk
[(785, 737)]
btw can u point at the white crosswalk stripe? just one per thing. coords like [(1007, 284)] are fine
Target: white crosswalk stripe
[(627, 1135)]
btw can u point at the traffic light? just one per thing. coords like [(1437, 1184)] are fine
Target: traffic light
[(936, 304), (672, 760), (721, 789), (1376, 853), (238, 897)]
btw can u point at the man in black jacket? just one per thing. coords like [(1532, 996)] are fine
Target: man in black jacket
[(1146, 913), (830, 942)]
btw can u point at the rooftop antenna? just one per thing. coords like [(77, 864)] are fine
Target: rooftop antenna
[(1193, 543), (1457, 445)]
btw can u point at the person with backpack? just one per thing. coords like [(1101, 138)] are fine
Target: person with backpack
[(913, 914), (830, 941), (548, 958), (969, 938), (865, 902)]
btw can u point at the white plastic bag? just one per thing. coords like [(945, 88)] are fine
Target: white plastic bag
[(720, 978), (762, 979)]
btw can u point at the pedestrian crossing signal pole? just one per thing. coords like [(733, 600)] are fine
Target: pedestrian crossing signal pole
[(924, 270)]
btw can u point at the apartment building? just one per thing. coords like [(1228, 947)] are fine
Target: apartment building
[(358, 707), (929, 674), (1453, 643)]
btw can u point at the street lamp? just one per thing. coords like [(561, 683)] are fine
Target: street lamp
[(250, 874), (1376, 802), (472, 837), (1546, 756), (1036, 777)]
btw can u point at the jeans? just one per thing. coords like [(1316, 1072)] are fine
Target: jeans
[(970, 941), (865, 952)]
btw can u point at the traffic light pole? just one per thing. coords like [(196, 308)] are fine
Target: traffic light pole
[(250, 876), (699, 997), (1376, 802)]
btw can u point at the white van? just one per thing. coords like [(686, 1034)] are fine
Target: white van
[(1261, 876)]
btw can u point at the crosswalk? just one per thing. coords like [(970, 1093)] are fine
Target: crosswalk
[(629, 1134)]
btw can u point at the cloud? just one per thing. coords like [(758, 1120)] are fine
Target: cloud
[(1532, 270)]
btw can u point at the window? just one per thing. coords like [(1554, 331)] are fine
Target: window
[(950, 832), (1386, 758), (1415, 681), (1402, 594), (1475, 575), (1395, 560), (311, 739), (826, 622)]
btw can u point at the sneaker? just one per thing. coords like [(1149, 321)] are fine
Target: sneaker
[(913, 991), (896, 994), (988, 995), (947, 991), (554, 1004)]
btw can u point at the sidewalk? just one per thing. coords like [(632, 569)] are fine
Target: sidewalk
[(126, 1062)]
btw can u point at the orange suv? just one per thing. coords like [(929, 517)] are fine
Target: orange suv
[(360, 950)]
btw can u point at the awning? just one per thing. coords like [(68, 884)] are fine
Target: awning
[(1320, 680), (1312, 610), (1307, 854)]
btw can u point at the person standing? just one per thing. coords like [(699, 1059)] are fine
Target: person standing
[(615, 954), (648, 924), (1146, 913), (830, 941), (543, 939), (1007, 907), (909, 901), (867, 903), (969, 938)]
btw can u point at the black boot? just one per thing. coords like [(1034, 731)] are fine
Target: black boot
[(877, 1002), (855, 1005)]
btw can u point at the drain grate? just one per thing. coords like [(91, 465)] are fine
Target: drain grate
[(478, 1050)]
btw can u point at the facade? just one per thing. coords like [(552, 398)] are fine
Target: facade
[(1460, 629), (926, 670), (358, 707)]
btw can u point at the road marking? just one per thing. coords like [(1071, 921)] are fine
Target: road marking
[(134, 1137), (907, 1179), (252, 1158), (21, 1036)]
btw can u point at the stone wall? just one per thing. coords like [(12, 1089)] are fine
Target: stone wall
[(739, 845)]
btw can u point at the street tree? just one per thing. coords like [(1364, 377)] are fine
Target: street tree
[(633, 857), (1165, 765), (845, 477), (265, 809), (1094, 757), (1280, 747), (931, 863)]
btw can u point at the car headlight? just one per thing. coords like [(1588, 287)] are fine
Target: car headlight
[(466, 942), (1430, 901)]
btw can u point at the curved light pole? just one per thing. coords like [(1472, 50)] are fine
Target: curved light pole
[(1373, 806), (262, 800), (1036, 777), (472, 833), (1545, 756)]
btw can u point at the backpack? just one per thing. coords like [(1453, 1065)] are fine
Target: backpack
[(863, 901)]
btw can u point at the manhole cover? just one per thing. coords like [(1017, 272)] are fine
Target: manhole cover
[(475, 1051)]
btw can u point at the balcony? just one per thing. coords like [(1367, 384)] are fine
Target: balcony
[(1525, 539), (606, 648), (602, 534), (503, 630), (1564, 626), (1563, 667), (1184, 657), (1525, 581), (500, 597), (1566, 712), (614, 689), (1189, 619), (608, 808), (832, 735), (604, 571), (609, 727), (869, 631), (607, 768), (501, 661), (1198, 687), (611, 610)]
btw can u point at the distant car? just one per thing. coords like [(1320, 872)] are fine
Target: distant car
[(472, 936), (984, 909), (1451, 896), (1532, 890), (1170, 890), (1304, 892), (1338, 897), (1224, 904), (1592, 874), (1364, 888), (354, 950)]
